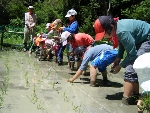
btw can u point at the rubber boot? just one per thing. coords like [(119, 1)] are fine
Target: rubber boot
[(24, 47), (71, 62)]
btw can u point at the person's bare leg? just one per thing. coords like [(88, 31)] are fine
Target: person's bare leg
[(69, 64), (68, 60), (130, 87), (93, 75), (136, 88), (45, 54), (128, 90), (78, 64), (104, 74), (84, 72)]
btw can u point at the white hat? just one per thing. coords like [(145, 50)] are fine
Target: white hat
[(65, 35), (38, 35), (48, 25), (30, 7), (71, 12)]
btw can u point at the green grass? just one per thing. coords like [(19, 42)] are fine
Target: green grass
[(11, 38), (146, 102)]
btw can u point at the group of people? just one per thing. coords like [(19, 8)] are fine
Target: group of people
[(129, 36)]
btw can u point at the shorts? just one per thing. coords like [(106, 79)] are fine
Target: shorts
[(105, 59), (69, 48), (130, 73)]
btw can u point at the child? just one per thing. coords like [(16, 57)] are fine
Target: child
[(47, 47), (50, 47), (79, 39), (40, 43), (100, 56), (59, 46), (35, 43)]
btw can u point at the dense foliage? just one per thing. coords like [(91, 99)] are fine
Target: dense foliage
[(12, 11)]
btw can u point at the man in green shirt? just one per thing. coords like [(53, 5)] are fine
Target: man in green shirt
[(134, 39)]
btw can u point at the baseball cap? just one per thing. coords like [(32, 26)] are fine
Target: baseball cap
[(65, 35), (30, 7), (71, 12), (101, 25), (48, 25)]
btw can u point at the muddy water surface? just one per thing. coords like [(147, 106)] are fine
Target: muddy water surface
[(32, 86)]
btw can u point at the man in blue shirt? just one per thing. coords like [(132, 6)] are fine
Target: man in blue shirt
[(100, 56), (134, 39)]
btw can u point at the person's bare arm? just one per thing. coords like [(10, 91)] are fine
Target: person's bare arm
[(78, 73)]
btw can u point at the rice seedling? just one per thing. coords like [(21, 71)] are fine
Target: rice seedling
[(34, 97), (1, 100), (40, 105), (26, 79)]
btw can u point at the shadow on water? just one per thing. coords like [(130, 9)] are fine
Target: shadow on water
[(82, 82), (116, 96), (109, 83), (101, 83), (86, 74), (72, 73)]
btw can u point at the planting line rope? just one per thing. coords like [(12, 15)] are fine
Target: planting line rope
[(102, 107)]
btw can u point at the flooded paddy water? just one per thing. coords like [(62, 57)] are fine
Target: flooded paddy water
[(32, 86)]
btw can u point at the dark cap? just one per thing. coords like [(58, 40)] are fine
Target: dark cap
[(101, 25)]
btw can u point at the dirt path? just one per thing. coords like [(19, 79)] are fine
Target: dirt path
[(32, 86)]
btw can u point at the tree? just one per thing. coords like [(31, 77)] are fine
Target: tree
[(88, 11), (139, 11)]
